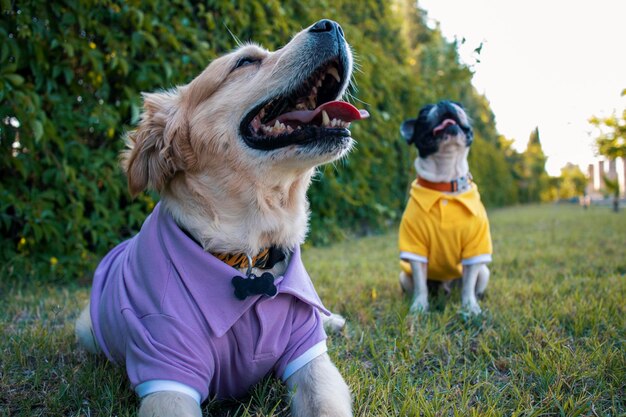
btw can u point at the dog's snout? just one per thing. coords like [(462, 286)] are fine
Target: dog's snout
[(326, 25)]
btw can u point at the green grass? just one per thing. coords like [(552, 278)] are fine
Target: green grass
[(551, 340)]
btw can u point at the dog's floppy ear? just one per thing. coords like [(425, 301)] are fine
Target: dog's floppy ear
[(160, 146), (407, 128)]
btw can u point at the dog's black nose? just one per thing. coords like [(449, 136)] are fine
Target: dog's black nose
[(326, 25)]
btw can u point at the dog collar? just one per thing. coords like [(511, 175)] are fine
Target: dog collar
[(266, 259), (458, 184)]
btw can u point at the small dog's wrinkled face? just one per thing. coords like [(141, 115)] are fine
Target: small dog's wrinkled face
[(439, 128), (251, 108)]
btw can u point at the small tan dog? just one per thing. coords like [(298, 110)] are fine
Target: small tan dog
[(211, 295)]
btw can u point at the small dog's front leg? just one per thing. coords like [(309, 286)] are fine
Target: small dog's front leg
[(169, 404), (482, 280), (468, 291), (318, 390), (419, 271)]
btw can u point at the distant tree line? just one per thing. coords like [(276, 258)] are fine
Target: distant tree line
[(71, 73)]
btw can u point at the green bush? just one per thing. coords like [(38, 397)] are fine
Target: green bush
[(71, 73)]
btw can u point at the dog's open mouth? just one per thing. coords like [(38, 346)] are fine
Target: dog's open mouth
[(441, 127), (450, 127), (308, 113)]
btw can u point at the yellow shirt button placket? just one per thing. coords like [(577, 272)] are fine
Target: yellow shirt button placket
[(443, 204)]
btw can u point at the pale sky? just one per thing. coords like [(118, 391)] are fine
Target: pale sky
[(546, 63)]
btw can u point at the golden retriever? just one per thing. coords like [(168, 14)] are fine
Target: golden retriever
[(231, 154)]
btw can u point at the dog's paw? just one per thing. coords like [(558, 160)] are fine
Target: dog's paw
[(420, 305), (169, 404), (334, 324), (472, 308)]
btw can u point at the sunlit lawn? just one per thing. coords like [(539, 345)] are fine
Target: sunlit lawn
[(551, 341)]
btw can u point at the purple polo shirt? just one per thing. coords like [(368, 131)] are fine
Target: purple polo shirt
[(166, 309)]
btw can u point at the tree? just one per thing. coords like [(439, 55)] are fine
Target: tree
[(611, 143), (534, 179), (612, 187), (572, 182), (611, 139)]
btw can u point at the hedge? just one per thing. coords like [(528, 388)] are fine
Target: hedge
[(71, 73)]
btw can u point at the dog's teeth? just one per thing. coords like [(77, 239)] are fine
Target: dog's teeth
[(313, 91), (325, 118), (262, 113), (278, 127), (333, 71), (256, 123)]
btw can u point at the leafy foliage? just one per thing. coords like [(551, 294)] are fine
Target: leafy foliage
[(611, 142), (70, 84), (528, 170), (71, 74), (572, 182), (611, 135)]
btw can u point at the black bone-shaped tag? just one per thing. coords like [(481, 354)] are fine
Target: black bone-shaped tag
[(253, 285)]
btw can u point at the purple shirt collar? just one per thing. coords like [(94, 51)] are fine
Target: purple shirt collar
[(209, 279)]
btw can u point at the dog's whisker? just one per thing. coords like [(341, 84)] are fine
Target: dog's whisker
[(235, 38), (354, 85), (356, 99)]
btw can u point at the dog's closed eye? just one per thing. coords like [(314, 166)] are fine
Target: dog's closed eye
[(246, 60)]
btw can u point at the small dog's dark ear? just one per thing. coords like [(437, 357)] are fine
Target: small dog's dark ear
[(406, 129)]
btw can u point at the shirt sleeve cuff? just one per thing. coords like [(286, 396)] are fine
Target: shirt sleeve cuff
[(480, 259), (408, 256), (303, 359), (157, 385)]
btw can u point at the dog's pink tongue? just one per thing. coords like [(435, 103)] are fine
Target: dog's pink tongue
[(443, 125), (335, 109)]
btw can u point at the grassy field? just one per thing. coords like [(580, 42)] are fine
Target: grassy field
[(550, 342)]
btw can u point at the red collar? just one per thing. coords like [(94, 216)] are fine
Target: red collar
[(449, 186)]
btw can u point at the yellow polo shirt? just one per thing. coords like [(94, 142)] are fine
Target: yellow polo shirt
[(446, 231)]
